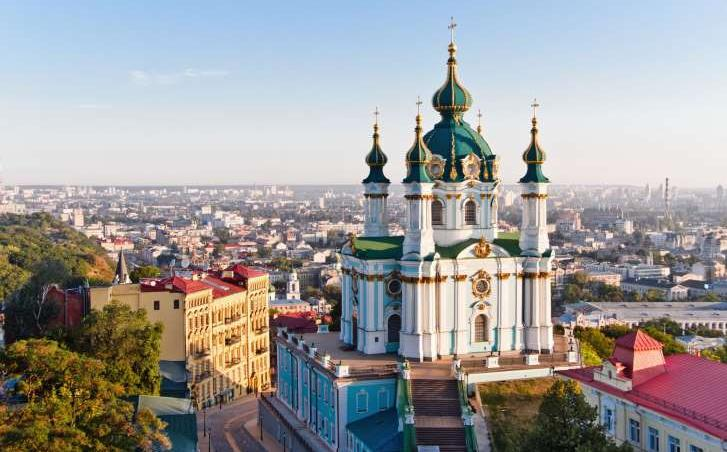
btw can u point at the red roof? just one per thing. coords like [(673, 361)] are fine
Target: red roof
[(688, 391), (220, 288), (295, 323), (246, 272), (173, 284), (638, 341)]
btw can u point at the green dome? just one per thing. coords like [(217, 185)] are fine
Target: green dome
[(534, 157), (417, 158), (376, 159), (452, 135), (452, 97)]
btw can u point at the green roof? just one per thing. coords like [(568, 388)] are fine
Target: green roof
[(376, 159), (452, 97), (380, 431), (378, 247), (510, 242), (417, 158), (456, 133), (452, 251), (391, 247), (534, 157)]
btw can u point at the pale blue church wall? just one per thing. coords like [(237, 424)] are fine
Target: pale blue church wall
[(368, 397)]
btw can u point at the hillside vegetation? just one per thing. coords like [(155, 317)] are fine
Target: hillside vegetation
[(29, 242)]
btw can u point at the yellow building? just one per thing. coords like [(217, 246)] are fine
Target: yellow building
[(216, 324), (656, 403)]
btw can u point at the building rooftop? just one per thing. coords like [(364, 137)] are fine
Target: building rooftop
[(687, 391)]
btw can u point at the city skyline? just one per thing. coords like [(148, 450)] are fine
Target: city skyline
[(285, 94)]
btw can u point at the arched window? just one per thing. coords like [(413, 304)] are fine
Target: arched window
[(470, 212), (482, 332), (437, 212), (393, 327)]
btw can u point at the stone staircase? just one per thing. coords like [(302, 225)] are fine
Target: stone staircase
[(437, 417)]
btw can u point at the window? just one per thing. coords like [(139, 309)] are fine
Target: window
[(481, 328), (634, 431), (675, 445), (362, 402), (608, 419), (383, 400), (470, 212), (176, 304), (695, 449), (653, 439), (156, 305), (437, 213)]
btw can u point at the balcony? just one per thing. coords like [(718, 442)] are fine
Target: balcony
[(260, 351), (228, 320), (233, 362), (261, 330), (202, 376), (201, 353), (232, 340)]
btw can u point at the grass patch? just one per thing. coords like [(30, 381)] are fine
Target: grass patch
[(511, 410)]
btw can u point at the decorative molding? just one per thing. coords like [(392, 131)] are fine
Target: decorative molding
[(422, 197), (534, 195), (376, 195), (459, 277), (503, 276), (482, 249), (481, 285)]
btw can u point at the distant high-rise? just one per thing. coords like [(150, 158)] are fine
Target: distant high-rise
[(667, 202)]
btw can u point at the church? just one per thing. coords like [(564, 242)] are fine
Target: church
[(453, 284)]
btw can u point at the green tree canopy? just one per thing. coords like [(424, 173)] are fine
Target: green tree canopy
[(599, 342), (69, 405), (145, 271), (127, 342), (566, 422)]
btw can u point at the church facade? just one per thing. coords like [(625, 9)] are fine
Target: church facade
[(453, 284)]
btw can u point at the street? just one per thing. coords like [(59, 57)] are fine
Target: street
[(226, 427)]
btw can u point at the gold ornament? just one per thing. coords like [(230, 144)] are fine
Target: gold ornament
[(482, 249), (481, 284)]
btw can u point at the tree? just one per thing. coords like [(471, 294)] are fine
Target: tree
[(145, 271), (615, 331), (671, 346), (69, 405), (602, 345), (664, 325), (716, 354), (127, 342), (566, 422), (311, 292)]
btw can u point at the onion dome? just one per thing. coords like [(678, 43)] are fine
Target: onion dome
[(418, 157), (452, 139), (376, 159), (534, 157), (452, 98)]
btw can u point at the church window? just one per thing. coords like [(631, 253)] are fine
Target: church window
[(156, 305), (362, 402), (437, 213), (481, 328), (470, 212)]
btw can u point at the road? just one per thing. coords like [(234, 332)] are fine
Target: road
[(227, 427)]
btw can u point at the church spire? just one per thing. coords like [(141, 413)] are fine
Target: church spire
[(418, 156), (122, 272), (376, 159), (534, 156), (452, 98)]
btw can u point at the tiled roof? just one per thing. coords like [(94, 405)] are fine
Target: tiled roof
[(220, 288), (638, 341), (246, 272), (688, 391), (174, 284)]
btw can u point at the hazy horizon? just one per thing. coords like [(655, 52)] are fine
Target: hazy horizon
[(176, 93)]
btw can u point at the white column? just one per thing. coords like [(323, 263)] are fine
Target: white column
[(419, 238), (376, 222)]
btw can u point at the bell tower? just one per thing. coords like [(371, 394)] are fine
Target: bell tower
[(534, 185), (376, 189)]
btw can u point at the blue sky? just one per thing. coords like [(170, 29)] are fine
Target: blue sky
[(189, 92)]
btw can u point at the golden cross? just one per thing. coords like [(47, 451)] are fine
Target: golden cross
[(535, 105), (376, 116), (419, 103), (452, 26), (479, 121)]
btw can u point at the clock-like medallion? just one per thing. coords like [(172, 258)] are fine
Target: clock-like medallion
[(481, 285)]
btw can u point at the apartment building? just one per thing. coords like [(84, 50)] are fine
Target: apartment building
[(216, 324)]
